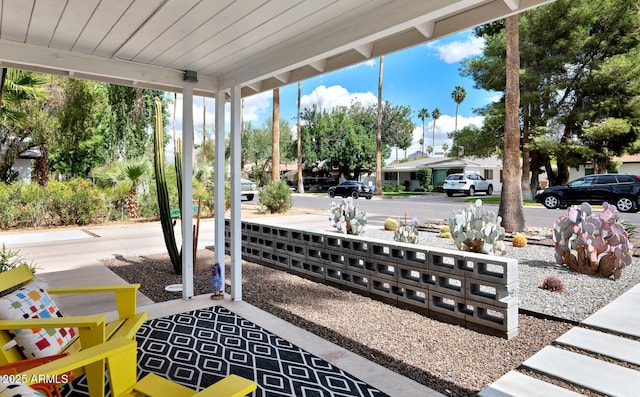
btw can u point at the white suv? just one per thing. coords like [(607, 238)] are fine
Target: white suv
[(467, 183)]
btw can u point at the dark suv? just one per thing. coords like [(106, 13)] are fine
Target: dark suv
[(354, 189), (621, 190)]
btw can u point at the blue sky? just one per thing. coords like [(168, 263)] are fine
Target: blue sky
[(421, 77)]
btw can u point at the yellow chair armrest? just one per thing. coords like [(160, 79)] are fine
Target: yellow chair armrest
[(108, 350), (231, 386), (125, 295), (57, 322)]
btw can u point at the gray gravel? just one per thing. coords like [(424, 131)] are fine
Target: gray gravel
[(445, 357)]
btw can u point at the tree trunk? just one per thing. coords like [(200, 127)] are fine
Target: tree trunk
[(511, 208), (275, 148), (300, 181), (378, 191), (41, 166), (526, 159)]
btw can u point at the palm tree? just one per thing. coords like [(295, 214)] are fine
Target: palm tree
[(511, 209), (458, 95), (423, 114), (436, 115), (300, 186), (378, 190), (429, 150), (275, 141), (130, 173), (445, 147)]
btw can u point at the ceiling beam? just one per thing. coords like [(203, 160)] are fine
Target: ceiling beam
[(426, 28), (513, 4), (65, 63)]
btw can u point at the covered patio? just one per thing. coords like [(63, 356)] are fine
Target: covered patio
[(224, 49)]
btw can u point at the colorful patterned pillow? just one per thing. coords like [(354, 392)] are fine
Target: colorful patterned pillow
[(18, 390), (32, 301)]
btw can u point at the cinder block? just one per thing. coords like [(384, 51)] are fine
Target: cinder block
[(381, 252), (415, 299), (354, 246), (445, 304), (493, 268), (447, 261), (496, 294), (502, 319), (383, 270), (449, 284)]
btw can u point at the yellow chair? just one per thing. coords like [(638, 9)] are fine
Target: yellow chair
[(93, 330), (120, 355)]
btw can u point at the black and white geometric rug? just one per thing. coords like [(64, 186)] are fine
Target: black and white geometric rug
[(199, 348)]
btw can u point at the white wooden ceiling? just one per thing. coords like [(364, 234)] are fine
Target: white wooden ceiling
[(256, 44)]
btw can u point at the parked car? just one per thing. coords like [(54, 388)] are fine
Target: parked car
[(467, 183), (248, 189), (621, 190), (354, 189)]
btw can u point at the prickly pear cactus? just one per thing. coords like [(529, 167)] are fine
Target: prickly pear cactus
[(476, 230), (592, 244), (408, 232), (345, 217)]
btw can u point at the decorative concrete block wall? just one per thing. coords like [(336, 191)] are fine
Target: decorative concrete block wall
[(473, 290)]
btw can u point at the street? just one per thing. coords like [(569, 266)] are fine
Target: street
[(436, 206)]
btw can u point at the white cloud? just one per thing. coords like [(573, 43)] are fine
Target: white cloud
[(458, 50), (444, 125), (327, 98), (257, 106)]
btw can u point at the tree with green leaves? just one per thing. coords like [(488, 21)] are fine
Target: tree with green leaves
[(21, 97), (79, 142), (578, 67), (458, 94)]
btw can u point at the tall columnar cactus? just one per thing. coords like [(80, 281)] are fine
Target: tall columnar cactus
[(592, 244), (163, 194), (346, 218), (476, 230)]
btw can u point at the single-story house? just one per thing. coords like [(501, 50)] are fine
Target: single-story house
[(23, 164), (407, 172), (629, 164)]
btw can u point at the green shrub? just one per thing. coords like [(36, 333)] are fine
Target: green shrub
[(86, 202), (275, 198)]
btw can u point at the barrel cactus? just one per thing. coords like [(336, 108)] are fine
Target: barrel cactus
[(519, 241), (445, 232), (345, 217), (391, 224), (590, 243), (476, 230)]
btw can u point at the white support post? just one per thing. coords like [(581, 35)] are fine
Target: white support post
[(219, 168), (236, 240), (186, 213)]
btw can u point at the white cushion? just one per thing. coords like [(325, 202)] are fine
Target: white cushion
[(32, 301)]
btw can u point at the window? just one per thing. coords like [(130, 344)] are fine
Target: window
[(390, 176), (589, 171), (606, 179), (488, 174), (413, 176)]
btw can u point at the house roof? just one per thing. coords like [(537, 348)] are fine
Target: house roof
[(444, 163), (628, 158), (255, 44)]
